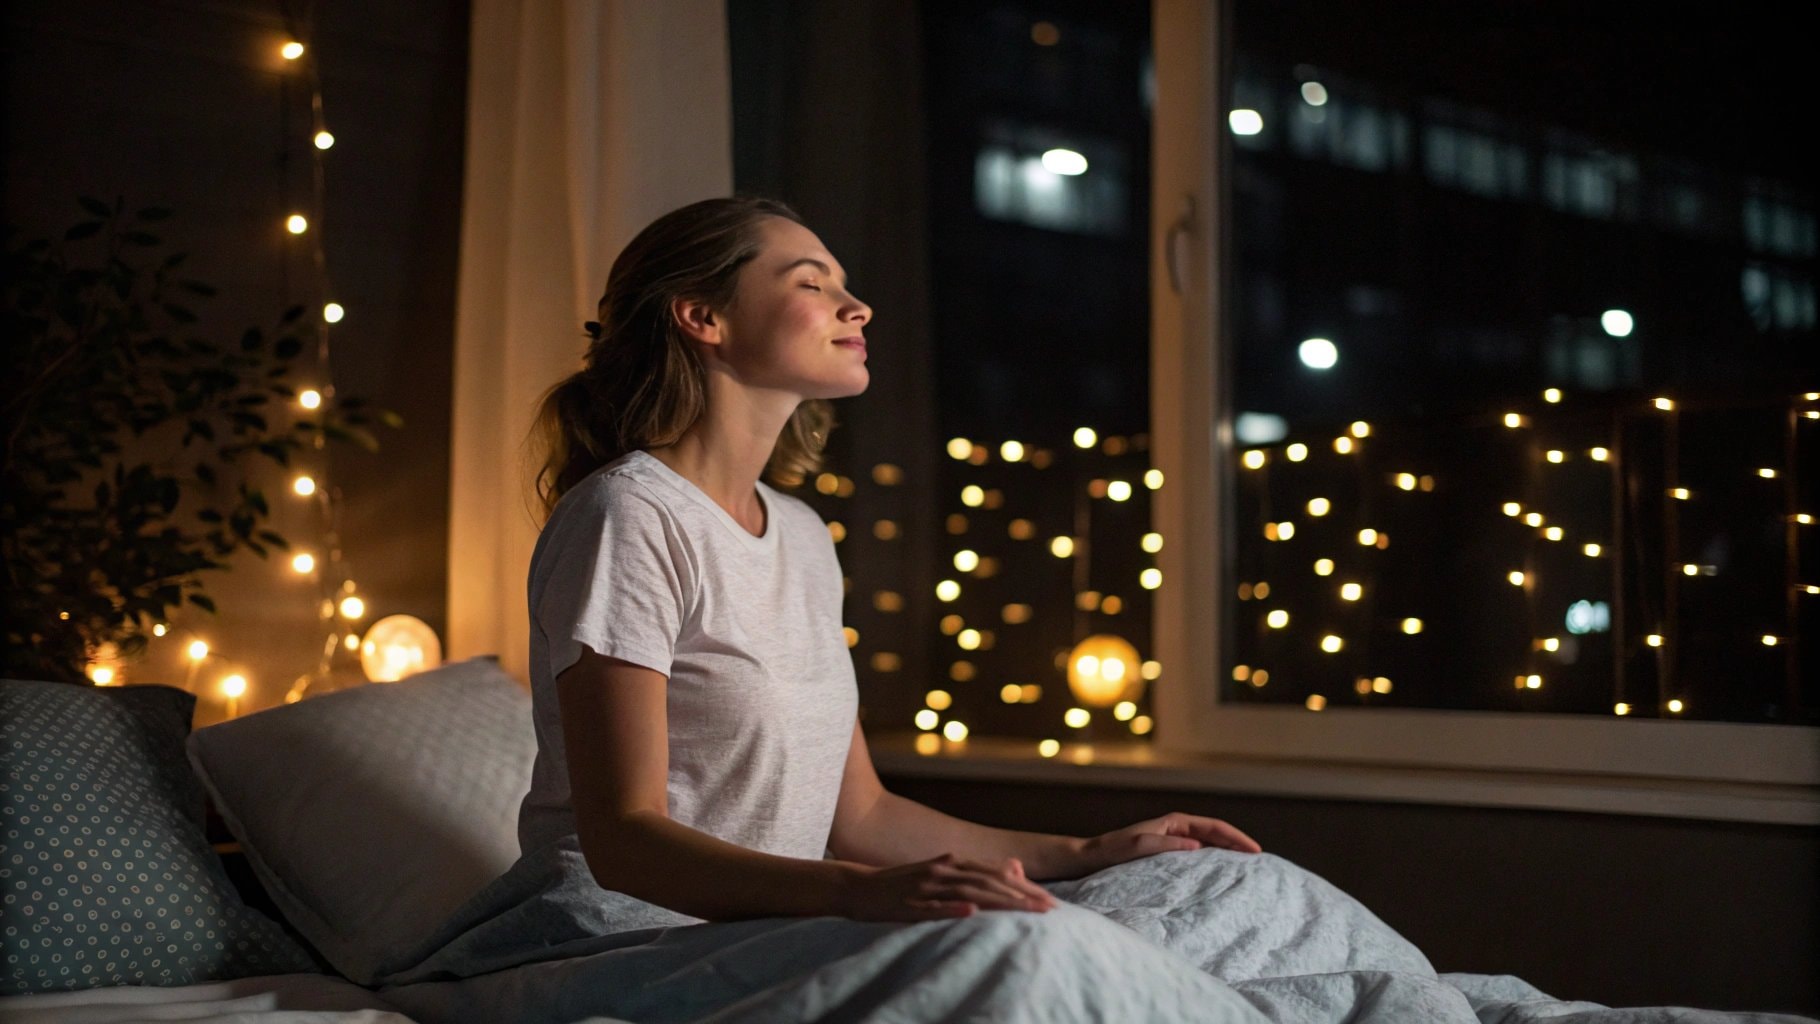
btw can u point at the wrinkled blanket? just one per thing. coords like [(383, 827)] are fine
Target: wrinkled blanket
[(1207, 935)]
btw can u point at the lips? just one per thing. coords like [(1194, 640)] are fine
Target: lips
[(855, 342)]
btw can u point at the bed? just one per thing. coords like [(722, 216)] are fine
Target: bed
[(369, 820)]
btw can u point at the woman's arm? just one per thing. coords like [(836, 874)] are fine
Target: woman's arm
[(615, 732), (881, 829)]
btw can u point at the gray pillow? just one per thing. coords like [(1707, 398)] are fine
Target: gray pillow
[(372, 814), (106, 877)]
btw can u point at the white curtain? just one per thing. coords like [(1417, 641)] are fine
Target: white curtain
[(587, 119)]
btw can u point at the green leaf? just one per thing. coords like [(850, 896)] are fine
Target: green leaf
[(203, 602), (391, 419), (275, 540), (291, 315), (82, 230)]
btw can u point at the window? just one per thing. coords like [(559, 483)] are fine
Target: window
[(1504, 470)]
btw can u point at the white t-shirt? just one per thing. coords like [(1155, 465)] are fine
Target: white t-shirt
[(638, 563)]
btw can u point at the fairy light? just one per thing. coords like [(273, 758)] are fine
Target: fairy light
[(1767, 473), (1296, 452), (1620, 709), (947, 590), (323, 140), (1653, 639), (1513, 420), (966, 560), (1599, 454), (1150, 579), (291, 50), (1061, 547), (1323, 567), (1534, 519), (1406, 481), (1343, 445), (1368, 537), (1332, 644), (304, 486), (296, 224), (1517, 578), (332, 313), (1676, 706), (198, 650), (1351, 591), (960, 448), (1412, 626), (1360, 428), (1011, 451), (303, 562), (1512, 509), (353, 607), (1551, 396), (1153, 478), (1084, 437), (1557, 456), (1277, 619), (1771, 641), (1152, 542), (1553, 533), (1319, 506), (1254, 459), (309, 398), (973, 496), (1680, 493), (1119, 490), (1593, 550), (1664, 404)]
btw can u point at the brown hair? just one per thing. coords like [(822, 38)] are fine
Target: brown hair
[(642, 383)]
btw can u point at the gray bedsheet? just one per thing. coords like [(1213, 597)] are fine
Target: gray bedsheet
[(1209, 935)]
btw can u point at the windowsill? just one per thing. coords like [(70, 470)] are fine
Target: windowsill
[(1136, 765)]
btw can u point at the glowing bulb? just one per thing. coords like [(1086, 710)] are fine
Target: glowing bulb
[(1555, 455), (1767, 473), (1011, 451), (1318, 354), (966, 561), (1284, 530), (1412, 626), (309, 398), (1077, 717), (1664, 404), (291, 50), (1245, 122), (1368, 537), (1343, 445), (1314, 94), (1532, 682), (1277, 619), (1296, 452), (1323, 567), (1118, 490), (1351, 591), (960, 448), (1593, 550), (332, 313), (1406, 481), (1319, 506), (1062, 547), (1620, 709), (1254, 459), (1516, 578), (304, 486), (198, 650), (1551, 644), (1533, 519), (1679, 493), (947, 590), (1676, 706), (1513, 420), (1360, 428), (1153, 478), (1064, 161), (973, 496), (1150, 579), (352, 607), (296, 224), (101, 674), (954, 732), (1553, 533), (927, 719), (303, 562), (1617, 323), (1804, 519), (1654, 639), (158, 629), (1152, 542), (324, 140), (1599, 454), (1513, 509), (1332, 644), (1084, 437), (1771, 641), (968, 639), (1690, 569), (1552, 395)]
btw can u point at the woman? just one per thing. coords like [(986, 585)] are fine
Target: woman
[(701, 778), (703, 740)]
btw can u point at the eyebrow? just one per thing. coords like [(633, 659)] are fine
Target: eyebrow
[(817, 263)]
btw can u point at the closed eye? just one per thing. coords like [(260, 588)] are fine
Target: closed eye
[(811, 286)]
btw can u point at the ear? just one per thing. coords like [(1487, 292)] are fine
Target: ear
[(697, 320)]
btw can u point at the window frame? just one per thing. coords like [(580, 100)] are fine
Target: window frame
[(1192, 443)]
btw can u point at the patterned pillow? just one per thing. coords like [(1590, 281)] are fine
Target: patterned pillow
[(106, 877)]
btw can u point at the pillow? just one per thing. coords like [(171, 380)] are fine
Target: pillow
[(370, 815), (106, 877)]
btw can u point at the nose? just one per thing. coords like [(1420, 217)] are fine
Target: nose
[(857, 310)]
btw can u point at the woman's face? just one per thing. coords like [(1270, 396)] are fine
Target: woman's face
[(791, 315)]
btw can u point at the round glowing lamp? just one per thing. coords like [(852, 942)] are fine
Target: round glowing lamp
[(1104, 670), (397, 646)]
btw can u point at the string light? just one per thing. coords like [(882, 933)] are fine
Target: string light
[(1332, 644), (1323, 567), (1412, 626), (1277, 619), (1517, 578), (296, 224), (309, 398), (291, 50), (1084, 437), (1513, 420), (1767, 473), (1593, 550), (1599, 454), (1343, 445), (1552, 395), (1318, 506), (324, 140), (1011, 451), (332, 313), (1512, 509), (1296, 452), (1653, 639), (1351, 591), (1360, 428), (1676, 706), (1406, 481), (1664, 404), (1254, 459)]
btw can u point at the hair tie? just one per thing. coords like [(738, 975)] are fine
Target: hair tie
[(593, 329)]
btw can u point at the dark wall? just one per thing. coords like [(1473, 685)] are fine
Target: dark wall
[(1618, 910), (186, 105)]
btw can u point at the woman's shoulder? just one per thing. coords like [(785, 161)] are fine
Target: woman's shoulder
[(617, 490)]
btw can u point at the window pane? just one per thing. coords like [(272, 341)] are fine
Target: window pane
[(1522, 334)]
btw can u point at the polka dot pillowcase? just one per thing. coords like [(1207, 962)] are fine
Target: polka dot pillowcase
[(106, 877)]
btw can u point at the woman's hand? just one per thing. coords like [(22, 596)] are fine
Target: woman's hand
[(940, 888), (1173, 831)]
